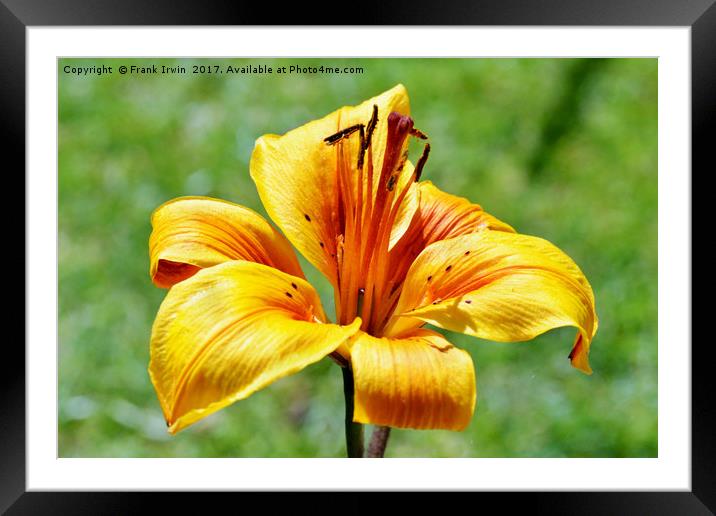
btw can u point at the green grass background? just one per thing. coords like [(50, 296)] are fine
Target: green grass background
[(565, 149)]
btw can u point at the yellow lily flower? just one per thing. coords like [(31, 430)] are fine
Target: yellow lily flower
[(399, 253)]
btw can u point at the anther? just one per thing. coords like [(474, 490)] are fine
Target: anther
[(391, 183), (421, 162), (343, 133), (363, 148), (371, 126), (418, 134)]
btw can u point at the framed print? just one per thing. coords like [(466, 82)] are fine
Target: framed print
[(253, 252)]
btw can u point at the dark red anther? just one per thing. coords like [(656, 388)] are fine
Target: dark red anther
[(421, 162), (371, 126), (418, 134), (343, 133), (363, 148), (391, 183)]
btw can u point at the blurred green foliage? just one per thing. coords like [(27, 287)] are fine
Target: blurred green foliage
[(565, 149)]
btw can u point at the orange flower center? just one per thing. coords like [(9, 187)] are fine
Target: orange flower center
[(366, 208)]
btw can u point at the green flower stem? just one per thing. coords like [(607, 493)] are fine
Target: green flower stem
[(354, 431)]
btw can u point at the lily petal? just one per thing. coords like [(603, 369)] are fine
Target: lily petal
[(498, 286), (439, 216), (231, 330), (192, 233), (417, 381), (296, 180), (442, 215), (407, 209)]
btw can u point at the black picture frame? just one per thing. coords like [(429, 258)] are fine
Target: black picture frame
[(17, 15)]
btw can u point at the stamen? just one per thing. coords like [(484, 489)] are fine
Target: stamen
[(371, 125), (388, 203), (335, 138), (391, 183), (421, 162), (366, 207), (418, 134), (361, 151)]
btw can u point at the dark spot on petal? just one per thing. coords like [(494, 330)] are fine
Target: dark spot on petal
[(447, 269), (294, 286), (321, 244), (307, 217), (429, 278), (289, 294), (468, 301), (467, 252)]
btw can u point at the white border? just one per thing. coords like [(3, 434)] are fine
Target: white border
[(672, 468)]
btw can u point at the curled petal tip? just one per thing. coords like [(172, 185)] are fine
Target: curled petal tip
[(579, 356)]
